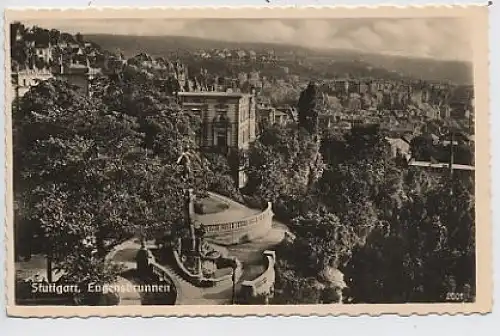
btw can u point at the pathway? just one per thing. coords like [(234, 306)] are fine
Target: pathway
[(124, 254), (128, 298)]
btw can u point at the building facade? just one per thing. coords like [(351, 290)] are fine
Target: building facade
[(79, 75), (228, 122), (266, 116), (45, 53), (23, 80)]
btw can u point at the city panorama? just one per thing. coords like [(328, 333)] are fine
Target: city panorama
[(243, 162)]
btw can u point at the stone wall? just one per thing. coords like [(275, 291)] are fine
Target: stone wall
[(187, 275), (241, 231), (261, 289)]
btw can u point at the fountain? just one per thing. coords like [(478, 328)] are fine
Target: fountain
[(196, 252)]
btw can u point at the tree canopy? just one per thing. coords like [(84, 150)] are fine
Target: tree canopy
[(91, 171), (384, 225), (308, 107)]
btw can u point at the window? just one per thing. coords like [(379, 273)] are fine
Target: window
[(221, 117), (199, 138), (221, 113), (221, 139), (196, 112)]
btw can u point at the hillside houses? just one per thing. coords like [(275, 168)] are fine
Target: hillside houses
[(23, 80), (398, 106), (37, 55)]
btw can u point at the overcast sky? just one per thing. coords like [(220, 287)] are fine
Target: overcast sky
[(439, 38)]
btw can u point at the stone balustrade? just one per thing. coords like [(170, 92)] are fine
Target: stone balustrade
[(263, 286), (240, 231)]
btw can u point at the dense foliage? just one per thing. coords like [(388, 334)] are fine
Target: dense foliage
[(384, 225), (91, 171), (308, 108)]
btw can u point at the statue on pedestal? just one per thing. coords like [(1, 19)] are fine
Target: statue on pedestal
[(189, 208), (185, 159)]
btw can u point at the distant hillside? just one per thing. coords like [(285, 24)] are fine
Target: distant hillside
[(160, 45), (427, 69), (455, 71)]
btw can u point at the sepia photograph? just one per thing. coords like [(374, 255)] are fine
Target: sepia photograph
[(293, 161)]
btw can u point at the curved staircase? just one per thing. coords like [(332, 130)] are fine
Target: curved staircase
[(189, 294)]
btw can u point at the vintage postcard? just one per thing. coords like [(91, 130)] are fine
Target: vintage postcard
[(251, 161)]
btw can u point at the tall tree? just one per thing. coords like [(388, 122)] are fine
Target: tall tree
[(308, 108), (55, 36), (429, 249), (81, 157), (284, 164)]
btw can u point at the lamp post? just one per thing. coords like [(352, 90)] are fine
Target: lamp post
[(233, 278)]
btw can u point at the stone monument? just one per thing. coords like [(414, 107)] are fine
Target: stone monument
[(185, 160), (195, 239)]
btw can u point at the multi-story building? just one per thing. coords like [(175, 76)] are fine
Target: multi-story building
[(266, 116), (79, 75), (364, 87), (114, 64), (23, 80), (285, 115), (228, 123), (240, 54), (341, 86), (242, 78), (254, 78), (44, 52), (252, 55), (353, 86)]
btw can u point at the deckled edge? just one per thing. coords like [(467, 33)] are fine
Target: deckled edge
[(242, 9), (243, 311), (9, 266)]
